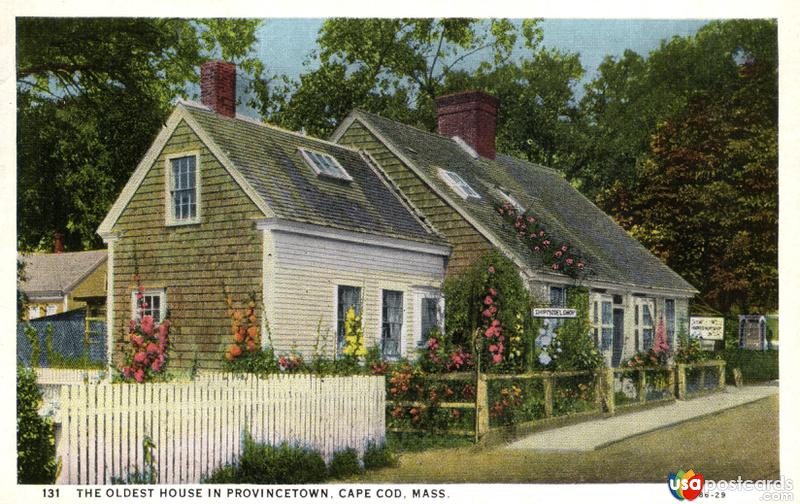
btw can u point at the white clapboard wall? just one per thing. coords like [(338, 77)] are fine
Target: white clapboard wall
[(198, 426)]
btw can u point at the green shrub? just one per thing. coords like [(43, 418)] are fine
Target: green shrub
[(36, 451), (378, 456), (264, 464), (576, 346), (32, 336), (344, 463), (756, 365)]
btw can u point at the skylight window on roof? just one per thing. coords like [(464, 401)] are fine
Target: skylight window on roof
[(325, 165), (458, 184), (511, 200)]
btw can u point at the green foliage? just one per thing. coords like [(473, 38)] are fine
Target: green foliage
[(91, 95), (149, 476), (264, 464), (36, 451), (466, 296), (378, 456), (578, 349), (32, 335), (344, 463), (756, 365), (689, 349), (22, 298)]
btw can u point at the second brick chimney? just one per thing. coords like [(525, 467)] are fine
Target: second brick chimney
[(218, 87), (58, 243), (471, 116)]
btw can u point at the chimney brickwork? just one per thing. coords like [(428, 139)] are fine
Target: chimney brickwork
[(218, 87), (471, 116)]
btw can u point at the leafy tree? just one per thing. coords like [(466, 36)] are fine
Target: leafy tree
[(36, 450), (92, 94)]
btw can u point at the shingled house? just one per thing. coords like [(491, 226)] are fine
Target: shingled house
[(225, 205), (456, 179)]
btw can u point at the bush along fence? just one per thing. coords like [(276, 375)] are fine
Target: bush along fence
[(183, 432), (479, 404)]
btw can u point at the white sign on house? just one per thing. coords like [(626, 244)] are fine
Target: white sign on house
[(707, 328), (555, 312)]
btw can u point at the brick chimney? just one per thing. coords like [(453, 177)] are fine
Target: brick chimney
[(58, 243), (471, 116), (218, 87)]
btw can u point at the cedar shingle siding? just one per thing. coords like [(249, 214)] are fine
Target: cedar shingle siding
[(191, 262)]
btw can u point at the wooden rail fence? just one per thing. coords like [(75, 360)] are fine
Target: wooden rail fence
[(198, 426)]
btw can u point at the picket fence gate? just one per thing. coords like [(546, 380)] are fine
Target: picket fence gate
[(199, 426)]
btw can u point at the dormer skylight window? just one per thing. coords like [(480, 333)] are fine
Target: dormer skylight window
[(458, 184), (466, 147), (510, 199), (325, 165)]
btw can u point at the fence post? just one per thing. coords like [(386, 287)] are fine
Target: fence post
[(481, 406), (642, 386), (609, 386), (722, 375), (547, 382), (681, 370), (702, 381), (671, 381)]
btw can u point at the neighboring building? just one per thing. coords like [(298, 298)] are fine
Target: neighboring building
[(63, 281), (224, 205), (455, 179)]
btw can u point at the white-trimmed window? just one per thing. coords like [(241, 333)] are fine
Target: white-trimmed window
[(347, 297), (643, 314), (603, 321), (510, 199), (458, 184), (392, 324), (429, 316), (33, 312), (51, 309), (153, 303), (669, 312), (325, 165), (183, 184)]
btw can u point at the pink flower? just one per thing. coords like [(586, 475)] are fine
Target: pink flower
[(496, 358), (487, 301), (148, 324), (156, 366), (126, 372), (433, 344), (487, 313), (555, 266), (495, 323), (492, 291), (569, 261), (152, 348), (491, 269), (493, 348), (140, 358), (558, 253), (541, 233), (563, 248), (132, 326), (489, 332), (531, 219), (139, 375), (580, 265), (546, 243), (138, 340), (536, 248), (139, 296), (493, 309)]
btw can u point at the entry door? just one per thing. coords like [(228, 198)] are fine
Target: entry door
[(619, 326)]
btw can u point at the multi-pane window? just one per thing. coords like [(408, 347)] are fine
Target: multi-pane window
[(325, 165), (347, 297), (430, 318), (458, 184), (51, 309), (183, 188), (392, 323), (669, 310), (643, 321), (606, 324), (33, 312), (152, 302)]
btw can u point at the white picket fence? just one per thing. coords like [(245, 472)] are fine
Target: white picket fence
[(198, 426)]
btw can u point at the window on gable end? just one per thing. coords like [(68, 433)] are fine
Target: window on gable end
[(183, 184), (325, 165)]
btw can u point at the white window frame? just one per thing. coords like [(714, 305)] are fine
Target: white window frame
[(511, 200), (638, 320), (403, 327), (342, 175), (34, 314), (458, 184), (596, 315), (169, 210), (161, 293), (51, 309), (418, 297)]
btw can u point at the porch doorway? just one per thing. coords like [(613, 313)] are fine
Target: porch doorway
[(619, 336)]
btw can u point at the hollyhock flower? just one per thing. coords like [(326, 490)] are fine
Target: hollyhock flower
[(495, 323), (140, 358), (251, 345), (239, 337), (433, 344), (493, 348), (132, 326), (139, 375), (139, 296), (489, 332), (148, 324), (496, 358), (493, 309), (235, 350), (152, 348), (163, 329), (126, 372), (492, 291), (138, 340), (487, 313), (487, 300), (156, 366)]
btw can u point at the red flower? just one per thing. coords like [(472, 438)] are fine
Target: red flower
[(139, 375), (487, 301), (140, 358), (152, 348)]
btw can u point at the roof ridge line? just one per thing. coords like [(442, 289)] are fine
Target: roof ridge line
[(257, 122)]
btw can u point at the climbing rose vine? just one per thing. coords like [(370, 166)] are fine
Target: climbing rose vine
[(147, 356), (492, 328), (560, 259)]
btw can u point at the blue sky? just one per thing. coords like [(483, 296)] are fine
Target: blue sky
[(285, 43)]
